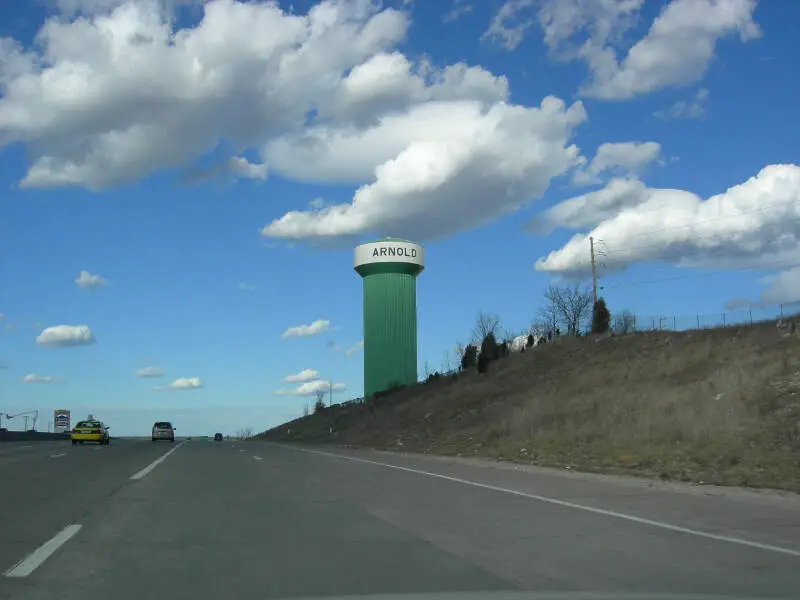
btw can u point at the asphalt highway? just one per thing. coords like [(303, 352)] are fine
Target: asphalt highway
[(201, 519)]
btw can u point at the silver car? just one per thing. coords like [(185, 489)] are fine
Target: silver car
[(163, 430)]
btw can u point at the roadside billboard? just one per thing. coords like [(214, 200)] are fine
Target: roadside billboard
[(61, 421)]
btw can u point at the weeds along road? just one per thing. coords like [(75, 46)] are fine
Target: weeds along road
[(201, 519)]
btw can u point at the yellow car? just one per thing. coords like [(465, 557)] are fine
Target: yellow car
[(90, 431)]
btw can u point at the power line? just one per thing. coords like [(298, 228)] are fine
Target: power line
[(599, 247), (776, 265), (719, 237), (712, 220), (699, 254), (620, 258), (594, 272), (708, 254)]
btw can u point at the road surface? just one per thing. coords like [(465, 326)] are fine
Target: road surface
[(203, 519)]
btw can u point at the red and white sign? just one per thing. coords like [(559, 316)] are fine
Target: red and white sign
[(61, 419)]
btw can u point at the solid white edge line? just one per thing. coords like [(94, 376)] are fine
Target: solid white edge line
[(35, 559), (155, 463), (564, 503)]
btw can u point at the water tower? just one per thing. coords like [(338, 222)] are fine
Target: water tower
[(389, 269)]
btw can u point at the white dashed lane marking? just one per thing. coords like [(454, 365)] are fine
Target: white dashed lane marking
[(34, 560), (144, 472)]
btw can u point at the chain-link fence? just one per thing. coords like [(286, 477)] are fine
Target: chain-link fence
[(629, 321), (684, 322)]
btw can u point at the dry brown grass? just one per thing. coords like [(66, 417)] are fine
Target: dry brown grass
[(718, 406)]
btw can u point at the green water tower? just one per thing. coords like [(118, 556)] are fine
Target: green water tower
[(389, 269)]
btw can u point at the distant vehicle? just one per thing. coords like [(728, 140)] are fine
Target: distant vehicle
[(218, 437), (163, 430), (90, 431)]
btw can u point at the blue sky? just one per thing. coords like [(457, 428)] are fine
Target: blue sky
[(215, 165)]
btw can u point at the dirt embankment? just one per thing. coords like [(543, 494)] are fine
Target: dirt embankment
[(716, 406)]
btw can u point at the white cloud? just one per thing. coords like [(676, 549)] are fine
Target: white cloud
[(87, 281), (562, 21), (750, 225), (590, 209), (508, 26), (783, 288), (182, 383), (302, 376), (388, 82), (315, 328), (325, 96), (246, 287), (676, 50), (630, 157), (94, 7), (439, 168), (247, 170), (236, 167), (63, 336), (150, 372), (33, 378), (694, 109), (354, 348), (311, 388), (458, 10), (108, 99)]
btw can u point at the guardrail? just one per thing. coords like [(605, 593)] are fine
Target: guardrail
[(31, 436)]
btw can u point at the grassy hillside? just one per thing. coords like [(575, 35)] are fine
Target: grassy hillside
[(716, 406)]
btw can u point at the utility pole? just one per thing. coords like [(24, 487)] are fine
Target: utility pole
[(594, 273), (330, 393)]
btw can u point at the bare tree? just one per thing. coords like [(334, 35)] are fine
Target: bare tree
[(244, 434), (320, 403), (575, 307), (624, 322), (447, 360), (504, 334), (458, 352), (569, 307), (426, 371), (485, 324), (549, 314), (539, 327)]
